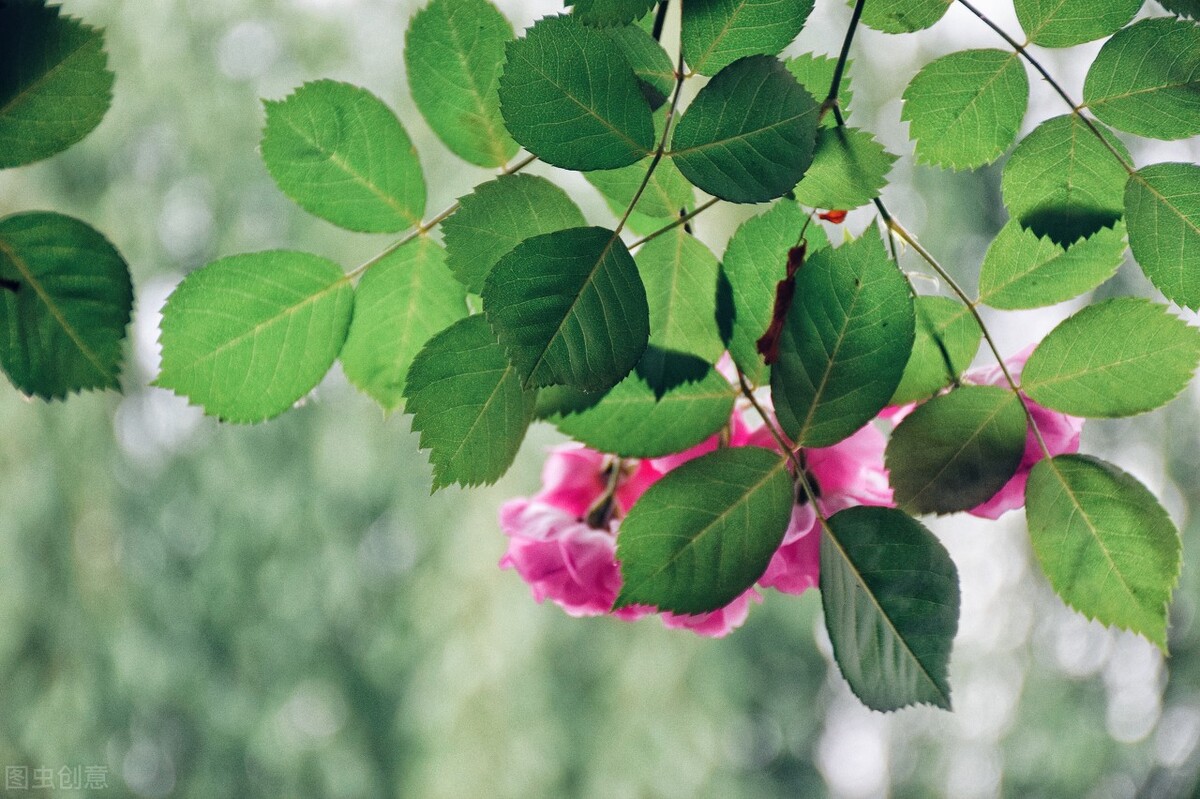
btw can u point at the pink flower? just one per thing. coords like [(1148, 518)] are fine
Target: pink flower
[(717, 623), (1059, 431), (573, 479)]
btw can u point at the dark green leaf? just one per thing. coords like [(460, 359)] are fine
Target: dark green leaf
[(1021, 270), (468, 404), (648, 59), (957, 450), (55, 85), (610, 12), (1119, 357), (1184, 8), (1109, 549), (453, 51), (340, 153), (847, 337), (718, 32), (891, 599), (1064, 23), (680, 276), (1063, 183), (749, 135), (1162, 210), (499, 215), (703, 534), (1146, 79), (965, 108), (572, 99), (65, 305), (400, 303), (632, 421), (903, 16), (946, 341), (247, 336), (755, 260), (570, 308), (849, 168)]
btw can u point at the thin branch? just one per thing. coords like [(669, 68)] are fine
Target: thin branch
[(831, 99), (682, 220), (1076, 108)]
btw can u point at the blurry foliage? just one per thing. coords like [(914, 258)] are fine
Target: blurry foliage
[(283, 610)]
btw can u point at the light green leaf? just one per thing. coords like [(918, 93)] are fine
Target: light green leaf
[(718, 32), (965, 108), (649, 61), (64, 305), (247, 336), (468, 404), (1065, 23), (340, 153), (400, 303), (1155, 96), (703, 534), (957, 450), (1109, 549), (946, 341), (848, 335), (453, 51), (891, 599), (570, 308), (1063, 183), (815, 74), (572, 99), (55, 85), (1162, 210), (634, 421), (849, 168), (499, 215), (1119, 357), (903, 16), (1021, 270), (755, 261), (610, 12), (680, 276), (749, 135), (667, 193)]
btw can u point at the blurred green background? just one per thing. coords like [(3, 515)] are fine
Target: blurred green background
[(198, 610)]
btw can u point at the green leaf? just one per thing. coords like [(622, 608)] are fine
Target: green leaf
[(718, 32), (956, 450), (64, 307), (340, 153), (1184, 8), (755, 260), (400, 303), (1063, 183), (680, 276), (55, 85), (848, 335), (570, 308), (903, 16), (815, 74), (610, 12), (1021, 270), (1119, 357), (703, 534), (667, 193), (965, 108), (939, 319), (453, 51), (1155, 96), (247, 336), (571, 98), (1065, 23), (749, 134), (1109, 549), (891, 599), (632, 421), (499, 215), (468, 404), (1162, 210), (849, 168), (648, 59)]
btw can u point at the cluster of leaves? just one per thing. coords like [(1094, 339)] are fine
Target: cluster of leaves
[(524, 311), (65, 291)]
